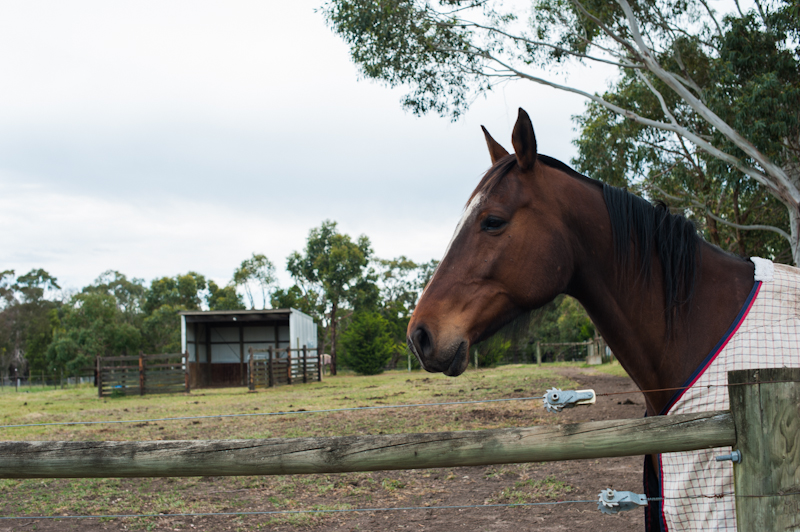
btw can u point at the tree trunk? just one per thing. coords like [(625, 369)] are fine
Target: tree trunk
[(333, 337), (794, 226)]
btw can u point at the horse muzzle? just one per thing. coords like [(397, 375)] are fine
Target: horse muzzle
[(451, 358)]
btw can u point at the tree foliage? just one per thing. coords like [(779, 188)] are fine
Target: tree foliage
[(257, 270), (368, 343), (715, 92), (331, 266)]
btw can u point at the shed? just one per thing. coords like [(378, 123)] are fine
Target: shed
[(218, 341)]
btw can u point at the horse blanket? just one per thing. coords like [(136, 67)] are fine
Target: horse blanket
[(697, 491)]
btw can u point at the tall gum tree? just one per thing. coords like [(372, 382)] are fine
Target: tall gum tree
[(331, 265), (744, 116)]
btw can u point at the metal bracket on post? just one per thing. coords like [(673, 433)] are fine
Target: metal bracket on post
[(613, 501), (735, 457), (556, 399)]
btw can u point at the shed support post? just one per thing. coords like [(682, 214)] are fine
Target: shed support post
[(765, 404), (319, 363), (251, 379), (270, 374), (241, 355), (186, 383)]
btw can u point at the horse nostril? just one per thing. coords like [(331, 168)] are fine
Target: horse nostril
[(422, 342)]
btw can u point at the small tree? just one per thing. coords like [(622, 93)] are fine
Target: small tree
[(368, 343)]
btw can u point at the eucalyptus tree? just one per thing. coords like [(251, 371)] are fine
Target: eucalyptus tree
[(258, 270), (725, 82), (332, 265)]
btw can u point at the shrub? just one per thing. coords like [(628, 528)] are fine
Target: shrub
[(368, 344)]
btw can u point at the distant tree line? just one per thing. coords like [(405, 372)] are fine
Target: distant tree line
[(365, 300)]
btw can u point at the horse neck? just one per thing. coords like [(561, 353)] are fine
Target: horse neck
[(629, 311)]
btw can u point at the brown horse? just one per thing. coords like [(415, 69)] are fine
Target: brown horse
[(661, 296), (534, 228)]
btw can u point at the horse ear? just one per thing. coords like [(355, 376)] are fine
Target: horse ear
[(496, 151), (524, 141)]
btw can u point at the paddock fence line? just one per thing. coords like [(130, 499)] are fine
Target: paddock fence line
[(763, 424), (142, 374), (42, 381), (271, 367)]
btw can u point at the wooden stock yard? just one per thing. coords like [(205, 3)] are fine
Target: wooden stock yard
[(764, 424), (272, 367), (142, 374)]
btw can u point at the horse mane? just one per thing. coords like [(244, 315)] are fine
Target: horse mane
[(639, 229)]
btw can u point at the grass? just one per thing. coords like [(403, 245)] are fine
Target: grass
[(225, 494), (394, 387), (533, 490)]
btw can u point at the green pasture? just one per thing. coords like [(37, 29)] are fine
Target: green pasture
[(103, 496)]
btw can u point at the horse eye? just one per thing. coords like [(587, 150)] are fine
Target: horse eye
[(493, 223)]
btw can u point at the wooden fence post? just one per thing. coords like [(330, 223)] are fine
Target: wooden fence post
[(305, 364), (141, 373), (288, 364), (319, 364), (251, 378), (99, 378), (765, 404), (270, 374), (539, 353)]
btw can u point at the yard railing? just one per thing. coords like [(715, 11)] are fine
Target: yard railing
[(763, 424), (272, 367), (142, 374)]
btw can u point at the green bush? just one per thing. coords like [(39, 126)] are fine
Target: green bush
[(368, 344)]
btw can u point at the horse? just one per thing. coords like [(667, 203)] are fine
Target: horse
[(666, 302)]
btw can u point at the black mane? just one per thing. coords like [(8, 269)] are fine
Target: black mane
[(639, 229)]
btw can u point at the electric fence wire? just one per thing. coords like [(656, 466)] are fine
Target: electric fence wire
[(357, 510), (328, 511), (281, 413), (351, 409)]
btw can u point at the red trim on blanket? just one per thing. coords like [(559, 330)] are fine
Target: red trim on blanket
[(718, 349), (699, 373)]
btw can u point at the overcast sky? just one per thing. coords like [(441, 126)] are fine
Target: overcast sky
[(160, 137)]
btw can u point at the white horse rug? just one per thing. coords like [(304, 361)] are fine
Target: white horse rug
[(697, 490)]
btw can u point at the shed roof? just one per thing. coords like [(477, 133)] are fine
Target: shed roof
[(267, 315)]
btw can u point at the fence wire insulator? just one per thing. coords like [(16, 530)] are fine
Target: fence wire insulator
[(556, 399), (613, 501)]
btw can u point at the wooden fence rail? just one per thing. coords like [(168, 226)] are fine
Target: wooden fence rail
[(32, 459), (142, 374)]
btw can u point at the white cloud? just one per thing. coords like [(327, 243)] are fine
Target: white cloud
[(160, 137)]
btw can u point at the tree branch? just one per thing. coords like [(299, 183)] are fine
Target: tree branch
[(545, 44), (606, 29), (684, 132), (774, 175), (710, 214)]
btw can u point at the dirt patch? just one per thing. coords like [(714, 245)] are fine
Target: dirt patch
[(528, 483)]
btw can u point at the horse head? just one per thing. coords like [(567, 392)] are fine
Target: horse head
[(511, 252)]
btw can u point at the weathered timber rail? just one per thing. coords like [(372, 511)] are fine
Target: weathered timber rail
[(182, 458)]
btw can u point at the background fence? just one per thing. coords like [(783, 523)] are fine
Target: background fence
[(142, 374), (273, 367)]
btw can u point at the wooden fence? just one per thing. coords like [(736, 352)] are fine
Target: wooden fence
[(763, 423), (142, 374), (272, 367)]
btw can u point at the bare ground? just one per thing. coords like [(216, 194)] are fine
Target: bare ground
[(541, 482)]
